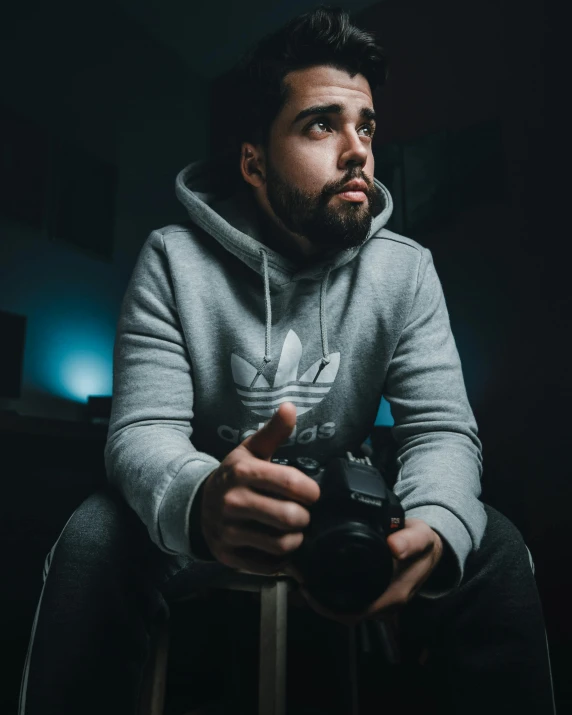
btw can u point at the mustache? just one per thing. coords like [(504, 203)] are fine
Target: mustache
[(368, 182)]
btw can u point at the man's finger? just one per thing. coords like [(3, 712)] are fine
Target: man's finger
[(278, 480), (265, 442), (402, 588), (416, 539), (238, 536), (284, 515)]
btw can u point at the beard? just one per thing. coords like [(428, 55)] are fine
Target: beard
[(334, 227)]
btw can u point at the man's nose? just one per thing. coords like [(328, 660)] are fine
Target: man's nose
[(354, 149)]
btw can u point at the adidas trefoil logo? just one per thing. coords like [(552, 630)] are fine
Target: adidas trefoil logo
[(305, 392)]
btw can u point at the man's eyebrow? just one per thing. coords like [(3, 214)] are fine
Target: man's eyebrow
[(365, 112)]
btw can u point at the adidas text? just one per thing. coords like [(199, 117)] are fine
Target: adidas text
[(310, 434)]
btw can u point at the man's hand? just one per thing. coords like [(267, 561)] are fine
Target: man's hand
[(253, 511), (417, 550)]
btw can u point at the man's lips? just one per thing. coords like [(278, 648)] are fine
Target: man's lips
[(354, 185), (353, 195), (354, 190)]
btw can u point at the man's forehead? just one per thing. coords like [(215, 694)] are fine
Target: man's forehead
[(320, 84)]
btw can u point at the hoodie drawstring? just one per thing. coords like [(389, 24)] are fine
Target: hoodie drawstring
[(268, 308), (324, 324)]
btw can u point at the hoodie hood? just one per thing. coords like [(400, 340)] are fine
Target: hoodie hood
[(226, 210)]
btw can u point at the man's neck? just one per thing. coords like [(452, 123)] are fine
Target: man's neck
[(295, 248)]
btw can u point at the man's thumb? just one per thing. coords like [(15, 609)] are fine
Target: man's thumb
[(279, 427)]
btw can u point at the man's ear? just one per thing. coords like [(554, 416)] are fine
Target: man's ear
[(252, 164)]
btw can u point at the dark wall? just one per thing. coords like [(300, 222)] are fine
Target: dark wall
[(97, 79), (502, 263), (99, 86)]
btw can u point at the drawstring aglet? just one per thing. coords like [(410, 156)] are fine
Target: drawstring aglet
[(325, 361)]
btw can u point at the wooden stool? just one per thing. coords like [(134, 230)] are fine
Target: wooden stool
[(273, 592)]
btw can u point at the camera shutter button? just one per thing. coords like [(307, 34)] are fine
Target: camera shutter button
[(309, 466)]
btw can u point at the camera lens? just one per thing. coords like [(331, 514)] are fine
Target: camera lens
[(353, 556), (348, 567)]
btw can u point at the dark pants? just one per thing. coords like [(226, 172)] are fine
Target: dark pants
[(107, 584)]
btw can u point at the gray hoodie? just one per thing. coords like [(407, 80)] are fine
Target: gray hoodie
[(217, 329)]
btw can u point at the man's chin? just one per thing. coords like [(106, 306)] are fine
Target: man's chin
[(333, 247), (343, 239)]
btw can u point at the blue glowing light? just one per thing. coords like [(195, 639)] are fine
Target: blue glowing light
[(84, 373), (71, 303), (74, 359)]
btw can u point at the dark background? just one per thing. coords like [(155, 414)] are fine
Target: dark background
[(98, 112)]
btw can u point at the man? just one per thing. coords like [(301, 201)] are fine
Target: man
[(271, 326)]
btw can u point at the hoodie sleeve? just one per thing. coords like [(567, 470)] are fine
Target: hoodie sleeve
[(439, 457), (148, 454)]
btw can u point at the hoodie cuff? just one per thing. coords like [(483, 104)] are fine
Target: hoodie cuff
[(457, 545), (175, 508), (198, 545)]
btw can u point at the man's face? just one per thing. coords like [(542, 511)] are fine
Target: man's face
[(311, 156)]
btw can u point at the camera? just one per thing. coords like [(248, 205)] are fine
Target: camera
[(344, 559)]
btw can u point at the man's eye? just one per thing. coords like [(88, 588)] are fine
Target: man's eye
[(371, 129), (313, 124)]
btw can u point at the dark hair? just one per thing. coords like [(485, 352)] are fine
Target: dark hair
[(254, 88)]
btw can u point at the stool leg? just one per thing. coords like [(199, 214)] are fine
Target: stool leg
[(153, 696), (272, 666), (354, 689)]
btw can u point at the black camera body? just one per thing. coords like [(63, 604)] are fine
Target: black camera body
[(344, 558)]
